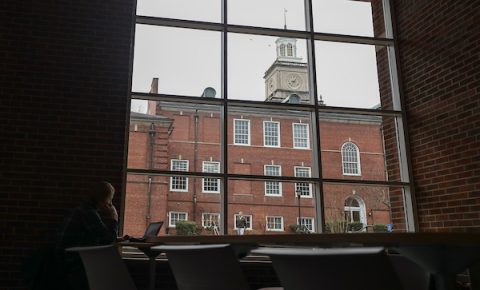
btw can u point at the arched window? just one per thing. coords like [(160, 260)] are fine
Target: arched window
[(289, 49), (350, 159), (354, 209), (282, 50)]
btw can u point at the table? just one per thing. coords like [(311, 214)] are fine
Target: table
[(464, 248)]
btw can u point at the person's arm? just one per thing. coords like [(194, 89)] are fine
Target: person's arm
[(102, 225)]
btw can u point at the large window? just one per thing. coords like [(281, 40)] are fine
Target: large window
[(248, 221), (242, 132), (273, 188), (211, 185), (179, 183), (271, 134), (235, 109)]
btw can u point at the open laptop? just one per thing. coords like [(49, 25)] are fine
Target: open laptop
[(152, 230)]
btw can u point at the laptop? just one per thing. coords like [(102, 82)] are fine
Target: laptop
[(152, 230)]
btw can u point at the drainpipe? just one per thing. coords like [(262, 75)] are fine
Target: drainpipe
[(151, 137), (195, 153)]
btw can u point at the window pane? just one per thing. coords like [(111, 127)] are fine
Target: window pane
[(211, 185), (261, 68), (248, 197), (183, 61), (274, 147), (356, 147), (203, 10), (267, 13), (362, 18), (348, 76)]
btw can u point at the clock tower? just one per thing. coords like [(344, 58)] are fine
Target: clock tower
[(287, 75)]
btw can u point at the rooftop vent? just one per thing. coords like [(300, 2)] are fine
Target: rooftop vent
[(209, 92)]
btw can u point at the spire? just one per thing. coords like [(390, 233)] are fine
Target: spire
[(285, 18)]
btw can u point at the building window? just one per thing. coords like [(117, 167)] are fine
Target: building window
[(241, 132), (275, 223), (303, 188), (307, 222), (282, 49), (289, 49), (273, 188), (271, 134), (211, 185), (301, 139), (175, 216), (179, 183), (354, 210), (350, 159), (210, 220), (248, 219)]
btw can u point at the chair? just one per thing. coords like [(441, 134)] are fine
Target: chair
[(104, 268), (205, 267), (411, 275), (332, 268)]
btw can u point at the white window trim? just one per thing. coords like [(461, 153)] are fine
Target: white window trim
[(234, 132), (308, 136), (309, 184), (278, 137), (358, 160), (280, 191), (186, 178), (170, 217), (274, 230), (203, 179), (306, 217), (209, 213), (245, 215)]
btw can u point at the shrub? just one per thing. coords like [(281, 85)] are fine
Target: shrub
[(379, 228), (355, 226), (186, 228)]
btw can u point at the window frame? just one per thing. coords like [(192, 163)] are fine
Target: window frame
[(248, 218), (307, 138), (280, 189), (211, 179), (357, 163), (310, 187), (170, 225), (277, 137), (235, 132), (312, 230), (274, 230), (183, 177), (211, 214)]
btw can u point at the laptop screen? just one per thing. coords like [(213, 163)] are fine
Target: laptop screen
[(153, 229)]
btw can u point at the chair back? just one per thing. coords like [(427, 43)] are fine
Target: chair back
[(205, 267), (332, 268), (105, 268)]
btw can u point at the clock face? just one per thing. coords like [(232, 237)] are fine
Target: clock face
[(294, 81)]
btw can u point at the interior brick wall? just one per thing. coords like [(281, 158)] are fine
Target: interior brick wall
[(64, 83), (439, 49)]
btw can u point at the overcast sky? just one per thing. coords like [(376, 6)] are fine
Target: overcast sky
[(187, 61)]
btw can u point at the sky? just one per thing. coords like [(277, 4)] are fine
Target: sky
[(187, 61)]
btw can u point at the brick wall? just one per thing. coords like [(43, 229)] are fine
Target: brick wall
[(64, 72), (439, 44)]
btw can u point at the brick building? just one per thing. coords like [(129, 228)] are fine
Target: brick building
[(261, 142)]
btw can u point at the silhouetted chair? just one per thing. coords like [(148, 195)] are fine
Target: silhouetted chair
[(332, 268), (205, 267), (104, 268), (411, 275)]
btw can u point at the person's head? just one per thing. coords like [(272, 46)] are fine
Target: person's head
[(101, 194)]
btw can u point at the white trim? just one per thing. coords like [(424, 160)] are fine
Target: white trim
[(212, 214), (361, 209), (274, 230), (176, 212), (245, 215), (280, 191), (309, 184), (278, 135), (186, 178), (217, 179), (310, 218), (234, 132), (359, 167), (308, 136)]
